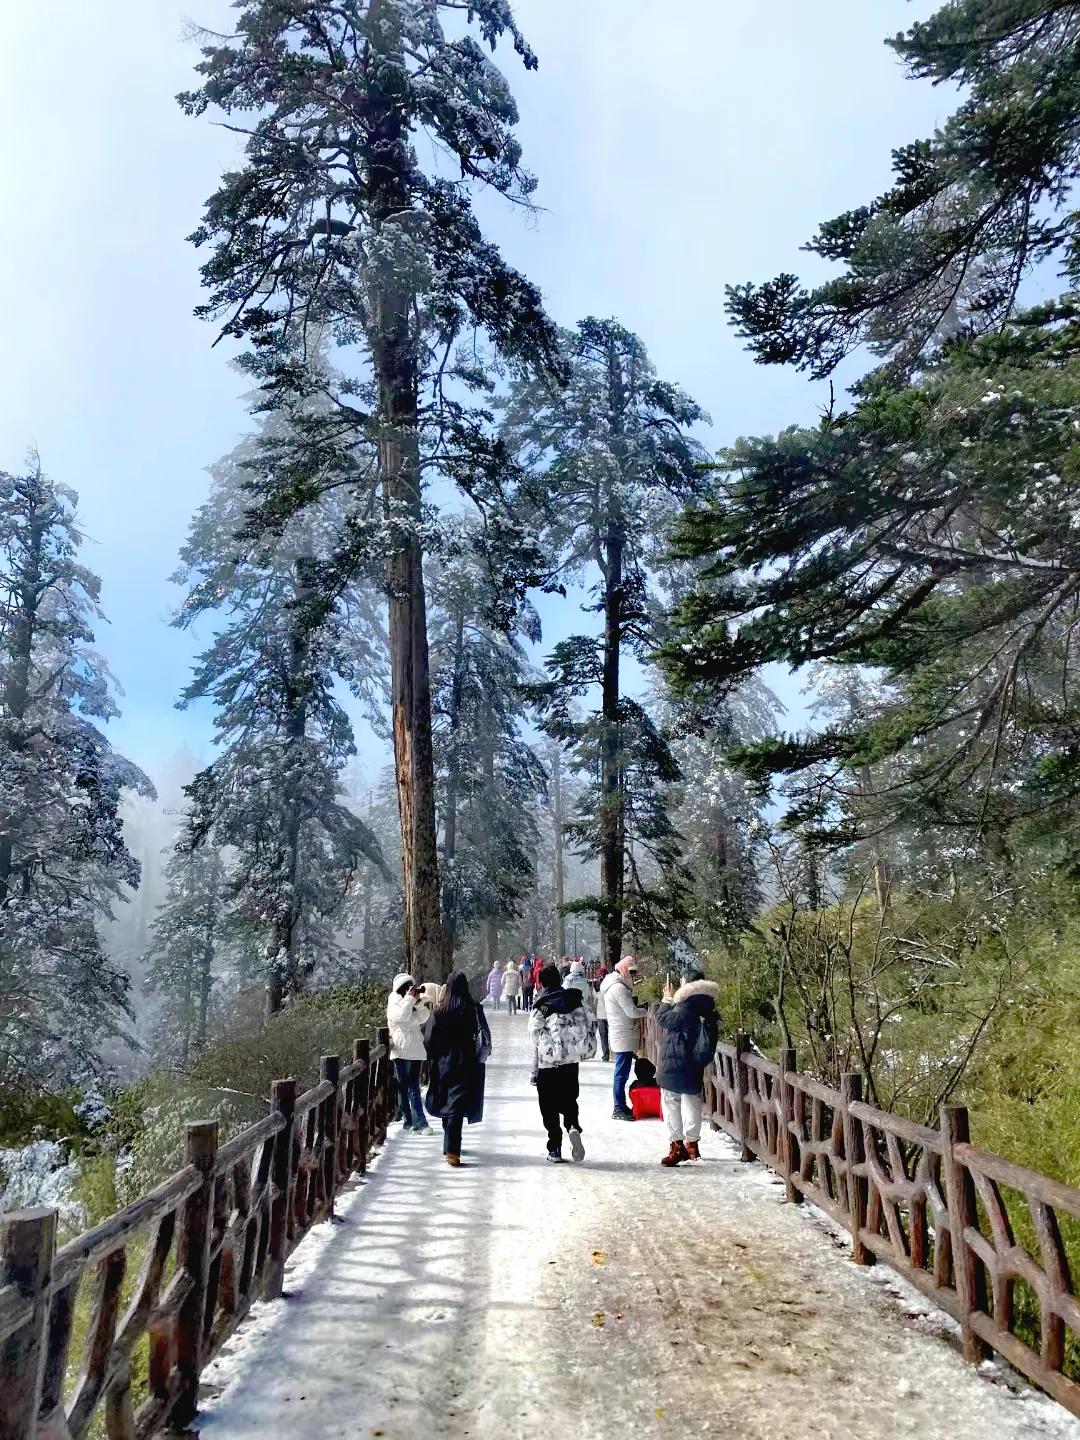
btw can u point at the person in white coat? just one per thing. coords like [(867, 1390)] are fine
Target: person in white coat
[(577, 980), (601, 1018), (511, 991), (407, 1013), (624, 1017)]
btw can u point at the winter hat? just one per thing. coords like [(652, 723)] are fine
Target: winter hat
[(626, 966), (402, 982)]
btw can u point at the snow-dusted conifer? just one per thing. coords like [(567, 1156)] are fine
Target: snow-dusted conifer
[(63, 860), (286, 640), (614, 459), (346, 218), (183, 959), (490, 781)]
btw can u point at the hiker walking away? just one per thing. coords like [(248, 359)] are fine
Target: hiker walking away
[(511, 986), (538, 965), (562, 1035), (525, 970), (458, 1048), (687, 1026), (624, 1016), (495, 985), (601, 1017), (576, 981), (407, 1015)]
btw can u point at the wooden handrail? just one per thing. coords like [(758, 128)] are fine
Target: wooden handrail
[(222, 1226), (925, 1201)]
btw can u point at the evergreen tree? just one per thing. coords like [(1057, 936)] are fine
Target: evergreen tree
[(490, 781), (333, 225), (928, 535), (971, 210), (274, 792), (63, 860), (616, 460), (183, 961)]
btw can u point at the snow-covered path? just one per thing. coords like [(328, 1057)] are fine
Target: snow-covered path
[(608, 1301)]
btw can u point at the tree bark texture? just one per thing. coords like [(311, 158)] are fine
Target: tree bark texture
[(396, 366)]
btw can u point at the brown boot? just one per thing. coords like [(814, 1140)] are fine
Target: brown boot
[(692, 1150), (452, 1159), (676, 1155)]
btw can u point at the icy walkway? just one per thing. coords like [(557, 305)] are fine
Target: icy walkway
[(608, 1301)]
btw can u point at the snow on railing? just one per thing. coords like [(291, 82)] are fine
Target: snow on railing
[(212, 1238), (980, 1236)]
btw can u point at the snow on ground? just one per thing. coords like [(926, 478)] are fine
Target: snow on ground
[(514, 1300)]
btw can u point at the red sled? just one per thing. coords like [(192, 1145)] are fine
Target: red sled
[(645, 1102)]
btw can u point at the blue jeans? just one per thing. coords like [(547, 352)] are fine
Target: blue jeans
[(407, 1081), (624, 1063)]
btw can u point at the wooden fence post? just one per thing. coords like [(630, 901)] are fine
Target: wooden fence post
[(850, 1092), (968, 1270), (27, 1246), (361, 1050), (385, 1090), (743, 1045), (789, 1151), (283, 1099), (331, 1070), (193, 1261)]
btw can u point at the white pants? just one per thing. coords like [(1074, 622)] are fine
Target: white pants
[(682, 1114)]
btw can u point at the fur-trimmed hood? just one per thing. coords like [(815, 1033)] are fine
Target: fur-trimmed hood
[(707, 988)]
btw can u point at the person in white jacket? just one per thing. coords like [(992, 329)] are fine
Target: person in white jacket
[(624, 1017), (511, 991), (577, 980), (407, 1013)]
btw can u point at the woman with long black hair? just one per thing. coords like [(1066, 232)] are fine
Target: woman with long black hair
[(458, 1047)]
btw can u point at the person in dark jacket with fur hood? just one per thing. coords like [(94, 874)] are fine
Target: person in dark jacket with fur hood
[(563, 1034), (688, 1027)]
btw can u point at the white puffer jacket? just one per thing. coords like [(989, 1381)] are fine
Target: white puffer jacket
[(561, 1030), (406, 1017), (623, 1014)]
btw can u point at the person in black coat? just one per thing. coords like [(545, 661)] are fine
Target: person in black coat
[(688, 1029), (457, 1048)]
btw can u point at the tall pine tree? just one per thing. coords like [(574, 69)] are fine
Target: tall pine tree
[(338, 221), (490, 781), (614, 459), (63, 860), (275, 791)]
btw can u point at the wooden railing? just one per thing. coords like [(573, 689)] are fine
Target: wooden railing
[(213, 1237), (927, 1202)]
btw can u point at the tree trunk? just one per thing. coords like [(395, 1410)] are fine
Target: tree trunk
[(16, 696), (396, 367), (489, 940), (557, 823), (283, 977), (453, 780), (611, 817)]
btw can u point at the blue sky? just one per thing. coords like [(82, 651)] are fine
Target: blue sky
[(679, 146)]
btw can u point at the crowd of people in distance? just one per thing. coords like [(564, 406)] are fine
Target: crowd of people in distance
[(574, 1010)]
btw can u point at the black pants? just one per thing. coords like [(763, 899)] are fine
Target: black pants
[(605, 1053), (451, 1129), (526, 997), (557, 1091)]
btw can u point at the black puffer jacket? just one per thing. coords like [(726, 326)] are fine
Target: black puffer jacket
[(680, 1021)]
